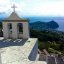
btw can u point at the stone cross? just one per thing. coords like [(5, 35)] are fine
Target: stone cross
[(14, 7)]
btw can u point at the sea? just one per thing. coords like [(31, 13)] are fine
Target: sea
[(59, 20)]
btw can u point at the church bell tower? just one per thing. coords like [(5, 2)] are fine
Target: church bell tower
[(11, 26)]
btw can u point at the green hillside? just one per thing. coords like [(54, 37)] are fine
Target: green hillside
[(44, 25)]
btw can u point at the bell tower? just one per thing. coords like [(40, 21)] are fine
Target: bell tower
[(11, 24)]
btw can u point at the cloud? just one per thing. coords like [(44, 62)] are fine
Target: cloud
[(42, 7), (48, 8), (34, 7), (4, 5)]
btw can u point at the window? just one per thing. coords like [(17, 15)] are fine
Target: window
[(10, 27), (20, 27)]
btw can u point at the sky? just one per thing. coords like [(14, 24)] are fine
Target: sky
[(33, 7)]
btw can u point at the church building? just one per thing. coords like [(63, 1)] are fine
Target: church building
[(16, 46), (12, 26)]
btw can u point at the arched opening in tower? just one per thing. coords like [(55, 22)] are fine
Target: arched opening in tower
[(20, 30)]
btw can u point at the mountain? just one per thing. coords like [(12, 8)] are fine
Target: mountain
[(39, 25)]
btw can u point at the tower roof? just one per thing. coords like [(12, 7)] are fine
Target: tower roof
[(14, 16)]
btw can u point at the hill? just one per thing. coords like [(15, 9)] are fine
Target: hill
[(52, 41), (39, 25)]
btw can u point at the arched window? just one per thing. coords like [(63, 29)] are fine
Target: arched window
[(10, 27), (20, 27)]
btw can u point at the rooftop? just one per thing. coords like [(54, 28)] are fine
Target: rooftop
[(17, 51), (14, 17)]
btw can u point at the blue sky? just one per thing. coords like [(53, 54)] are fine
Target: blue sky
[(33, 7)]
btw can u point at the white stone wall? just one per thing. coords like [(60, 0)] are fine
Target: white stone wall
[(25, 30), (15, 34), (14, 30), (5, 30), (34, 52), (20, 35)]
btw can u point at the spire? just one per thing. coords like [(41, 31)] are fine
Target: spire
[(13, 7)]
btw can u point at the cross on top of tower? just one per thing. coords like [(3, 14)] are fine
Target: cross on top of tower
[(14, 7)]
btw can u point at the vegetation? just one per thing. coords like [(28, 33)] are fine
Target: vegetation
[(44, 25), (0, 25), (50, 40)]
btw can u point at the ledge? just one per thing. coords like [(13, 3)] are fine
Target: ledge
[(18, 54)]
